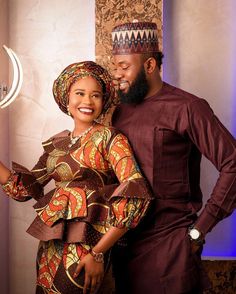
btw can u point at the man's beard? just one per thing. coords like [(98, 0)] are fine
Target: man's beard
[(137, 91)]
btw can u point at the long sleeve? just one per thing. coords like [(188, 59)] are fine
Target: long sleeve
[(218, 145), (24, 184), (131, 198)]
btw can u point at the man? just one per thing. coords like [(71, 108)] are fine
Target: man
[(169, 129)]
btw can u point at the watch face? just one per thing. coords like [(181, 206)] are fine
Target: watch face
[(194, 234)]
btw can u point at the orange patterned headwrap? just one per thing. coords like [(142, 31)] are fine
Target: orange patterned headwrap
[(75, 71)]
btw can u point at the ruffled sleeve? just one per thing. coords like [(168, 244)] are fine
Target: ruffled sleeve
[(128, 212), (24, 184), (131, 199)]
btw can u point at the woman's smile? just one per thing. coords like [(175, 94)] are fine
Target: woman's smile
[(86, 110)]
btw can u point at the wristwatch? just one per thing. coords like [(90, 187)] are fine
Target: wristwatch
[(195, 235), (98, 256)]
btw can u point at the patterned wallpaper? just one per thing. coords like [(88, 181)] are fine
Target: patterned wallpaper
[(114, 12)]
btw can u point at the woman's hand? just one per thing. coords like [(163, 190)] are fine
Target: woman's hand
[(4, 173), (94, 272)]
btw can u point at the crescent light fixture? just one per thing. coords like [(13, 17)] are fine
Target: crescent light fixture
[(17, 79)]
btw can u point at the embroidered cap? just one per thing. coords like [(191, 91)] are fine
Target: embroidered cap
[(135, 37)]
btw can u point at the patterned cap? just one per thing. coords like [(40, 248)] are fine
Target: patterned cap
[(135, 37), (75, 71)]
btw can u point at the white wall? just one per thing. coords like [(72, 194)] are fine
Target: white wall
[(47, 36), (199, 49)]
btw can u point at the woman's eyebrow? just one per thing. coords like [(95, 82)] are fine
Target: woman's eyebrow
[(83, 90)]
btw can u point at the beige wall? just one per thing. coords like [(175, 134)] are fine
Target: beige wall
[(201, 53), (3, 149), (47, 36)]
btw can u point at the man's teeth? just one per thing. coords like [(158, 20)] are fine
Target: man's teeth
[(123, 85), (86, 110)]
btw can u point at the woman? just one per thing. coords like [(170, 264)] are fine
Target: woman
[(80, 220)]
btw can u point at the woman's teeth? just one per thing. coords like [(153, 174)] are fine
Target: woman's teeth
[(87, 110)]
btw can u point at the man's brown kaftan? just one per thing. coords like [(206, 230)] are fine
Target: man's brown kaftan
[(168, 132)]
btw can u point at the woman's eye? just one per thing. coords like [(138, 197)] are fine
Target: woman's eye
[(96, 95), (79, 93)]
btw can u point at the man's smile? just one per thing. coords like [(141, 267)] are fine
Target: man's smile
[(123, 85)]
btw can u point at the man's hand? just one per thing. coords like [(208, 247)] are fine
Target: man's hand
[(195, 247), (94, 272)]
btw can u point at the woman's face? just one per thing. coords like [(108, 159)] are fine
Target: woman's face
[(85, 100)]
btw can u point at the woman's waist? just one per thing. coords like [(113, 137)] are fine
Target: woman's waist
[(72, 231)]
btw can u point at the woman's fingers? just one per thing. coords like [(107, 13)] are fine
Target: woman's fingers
[(94, 285), (78, 269), (87, 283), (100, 279), (91, 284), (94, 273)]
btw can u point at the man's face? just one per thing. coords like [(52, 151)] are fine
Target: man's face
[(130, 74)]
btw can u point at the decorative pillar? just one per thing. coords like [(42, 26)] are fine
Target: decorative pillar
[(112, 13)]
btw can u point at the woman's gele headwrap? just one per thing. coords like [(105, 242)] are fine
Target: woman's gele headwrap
[(75, 71)]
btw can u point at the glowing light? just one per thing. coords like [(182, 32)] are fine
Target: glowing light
[(17, 79)]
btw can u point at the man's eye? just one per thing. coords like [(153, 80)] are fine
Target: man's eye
[(124, 67)]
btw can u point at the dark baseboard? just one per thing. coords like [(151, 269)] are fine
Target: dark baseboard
[(222, 274)]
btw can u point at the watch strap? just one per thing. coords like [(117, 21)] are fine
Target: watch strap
[(98, 256)]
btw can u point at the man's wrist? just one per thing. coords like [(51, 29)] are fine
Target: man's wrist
[(195, 235)]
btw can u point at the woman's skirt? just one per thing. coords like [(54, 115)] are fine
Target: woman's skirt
[(56, 263)]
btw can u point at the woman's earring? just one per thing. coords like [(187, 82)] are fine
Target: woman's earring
[(68, 111)]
